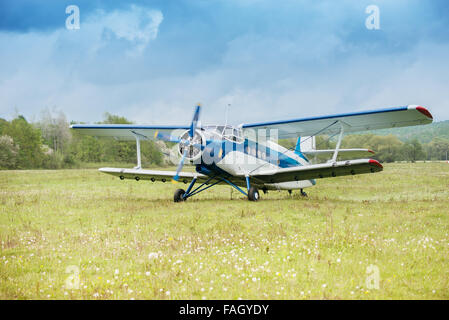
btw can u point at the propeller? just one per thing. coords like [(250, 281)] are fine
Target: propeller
[(166, 137), (194, 124), (180, 165), (188, 144)]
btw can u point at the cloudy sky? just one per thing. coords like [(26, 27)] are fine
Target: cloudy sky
[(152, 61)]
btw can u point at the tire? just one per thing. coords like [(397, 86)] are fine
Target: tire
[(178, 197), (253, 194)]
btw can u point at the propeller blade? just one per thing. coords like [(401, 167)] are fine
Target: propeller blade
[(180, 165), (194, 123), (165, 137), (219, 142)]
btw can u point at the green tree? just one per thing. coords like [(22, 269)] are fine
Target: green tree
[(114, 119), (55, 130), (386, 148), (437, 149), (8, 153), (413, 151), (3, 124), (86, 148), (324, 142), (29, 140)]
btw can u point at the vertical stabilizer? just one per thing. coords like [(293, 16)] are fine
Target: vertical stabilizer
[(305, 144)]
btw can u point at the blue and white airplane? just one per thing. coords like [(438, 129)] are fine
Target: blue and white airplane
[(247, 157)]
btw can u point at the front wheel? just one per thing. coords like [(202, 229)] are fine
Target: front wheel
[(179, 195), (253, 194)]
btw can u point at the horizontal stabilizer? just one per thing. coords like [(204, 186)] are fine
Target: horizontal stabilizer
[(353, 153)]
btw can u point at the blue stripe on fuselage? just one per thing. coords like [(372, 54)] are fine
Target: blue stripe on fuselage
[(256, 150), (229, 146)]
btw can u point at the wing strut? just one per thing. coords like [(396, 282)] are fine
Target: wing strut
[(337, 148), (138, 137)]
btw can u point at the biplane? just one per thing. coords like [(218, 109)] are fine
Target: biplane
[(248, 156)]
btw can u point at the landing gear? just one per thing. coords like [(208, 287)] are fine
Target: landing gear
[(303, 194), (253, 194), (179, 195)]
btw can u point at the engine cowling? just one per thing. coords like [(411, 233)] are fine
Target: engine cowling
[(193, 145)]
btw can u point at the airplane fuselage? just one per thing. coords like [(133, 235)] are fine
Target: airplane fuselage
[(234, 158)]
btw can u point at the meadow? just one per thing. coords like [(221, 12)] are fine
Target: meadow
[(80, 234)]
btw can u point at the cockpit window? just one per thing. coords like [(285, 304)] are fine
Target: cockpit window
[(233, 134), (228, 132)]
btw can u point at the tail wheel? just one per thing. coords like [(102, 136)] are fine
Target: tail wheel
[(179, 195), (253, 194), (303, 193)]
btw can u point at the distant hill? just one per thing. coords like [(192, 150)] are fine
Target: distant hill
[(424, 133)]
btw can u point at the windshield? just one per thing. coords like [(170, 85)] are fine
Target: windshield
[(227, 132)]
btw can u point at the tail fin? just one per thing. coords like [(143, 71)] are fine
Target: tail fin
[(305, 144)]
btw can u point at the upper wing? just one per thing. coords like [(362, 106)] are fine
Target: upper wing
[(352, 122), (323, 170), (124, 131)]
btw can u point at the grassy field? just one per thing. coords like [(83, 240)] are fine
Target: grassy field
[(79, 234)]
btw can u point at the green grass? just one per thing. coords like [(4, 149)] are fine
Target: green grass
[(129, 240)]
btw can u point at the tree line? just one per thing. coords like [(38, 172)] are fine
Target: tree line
[(390, 148), (49, 143), (387, 148)]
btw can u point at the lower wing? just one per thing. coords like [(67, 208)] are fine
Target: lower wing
[(323, 170), (153, 175)]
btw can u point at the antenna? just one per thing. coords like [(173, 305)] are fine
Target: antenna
[(226, 116)]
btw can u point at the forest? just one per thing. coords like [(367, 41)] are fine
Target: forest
[(50, 144)]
